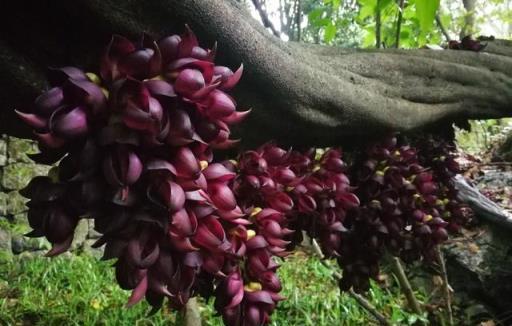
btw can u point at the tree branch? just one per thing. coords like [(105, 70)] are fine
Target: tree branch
[(298, 19), (446, 285), (405, 285), (264, 18), (300, 93)]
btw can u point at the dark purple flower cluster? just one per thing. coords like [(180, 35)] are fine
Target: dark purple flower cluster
[(135, 149), (406, 209), (440, 155), (468, 43), (309, 188), (279, 188)]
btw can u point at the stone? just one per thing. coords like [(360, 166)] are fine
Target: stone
[(3, 151), (17, 175), (22, 244), (5, 245), (17, 150), (28, 255), (93, 234), (480, 264), (89, 250), (81, 232), (15, 203), (3, 203), (5, 240)]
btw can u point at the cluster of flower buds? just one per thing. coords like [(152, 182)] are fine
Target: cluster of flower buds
[(406, 208), (441, 156), (280, 189), (310, 189), (134, 151), (134, 145), (468, 43)]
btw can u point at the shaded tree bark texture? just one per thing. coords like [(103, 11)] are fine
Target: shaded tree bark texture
[(300, 94)]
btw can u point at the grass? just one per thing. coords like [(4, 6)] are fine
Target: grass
[(82, 291)]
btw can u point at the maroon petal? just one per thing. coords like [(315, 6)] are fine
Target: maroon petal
[(172, 195), (210, 234), (188, 43), (169, 48), (50, 140), (259, 297), (78, 91), (222, 196), (252, 316), (139, 292), (256, 242), (49, 101), (58, 76), (229, 79), (183, 222), (220, 105), (32, 120), (281, 202), (58, 248), (118, 47), (189, 81), (160, 165), (142, 252), (70, 124), (134, 168), (348, 200), (236, 117), (160, 88), (181, 130), (186, 163), (181, 243), (218, 172)]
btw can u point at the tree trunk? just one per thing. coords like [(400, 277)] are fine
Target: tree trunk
[(300, 94), (469, 19)]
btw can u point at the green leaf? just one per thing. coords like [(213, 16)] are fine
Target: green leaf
[(315, 15), (329, 33), (323, 22), (426, 12), (367, 8), (382, 4)]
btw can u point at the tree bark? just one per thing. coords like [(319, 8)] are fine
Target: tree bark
[(300, 94)]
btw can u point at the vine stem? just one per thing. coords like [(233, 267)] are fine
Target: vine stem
[(399, 22), (378, 25), (369, 307), (405, 285), (359, 298), (446, 285), (442, 28)]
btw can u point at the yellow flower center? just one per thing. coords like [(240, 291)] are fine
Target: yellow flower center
[(203, 165), (93, 78), (252, 287), (250, 234)]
